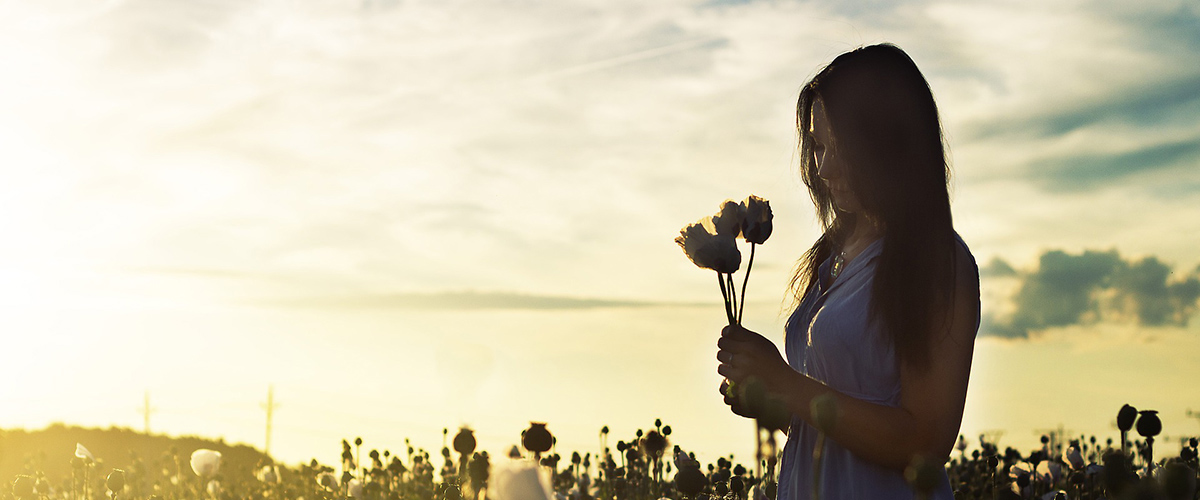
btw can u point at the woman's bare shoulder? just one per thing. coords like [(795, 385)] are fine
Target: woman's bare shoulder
[(966, 305)]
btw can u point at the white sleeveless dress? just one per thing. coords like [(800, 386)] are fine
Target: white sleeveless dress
[(831, 338)]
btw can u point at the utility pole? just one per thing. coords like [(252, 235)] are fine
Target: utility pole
[(992, 436), (146, 410), (270, 406), (1058, 436)]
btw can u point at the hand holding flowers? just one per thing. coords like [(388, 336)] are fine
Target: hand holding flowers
[(711, 243)]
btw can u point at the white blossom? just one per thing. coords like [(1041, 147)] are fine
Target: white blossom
[(205, 462)]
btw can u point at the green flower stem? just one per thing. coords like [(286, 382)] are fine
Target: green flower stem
[(818, 455), (725, 296), (733, 302), (758, 444), (745, 279)]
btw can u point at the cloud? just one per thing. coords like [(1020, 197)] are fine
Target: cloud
[(1096, 96), (1077, 172), (997, 267), (469, 301), (1147, 103), (1070, 289)]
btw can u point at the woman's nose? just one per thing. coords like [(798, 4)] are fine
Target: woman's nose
[(825, 168)]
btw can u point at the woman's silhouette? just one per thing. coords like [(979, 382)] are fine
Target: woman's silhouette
[(887, 297)]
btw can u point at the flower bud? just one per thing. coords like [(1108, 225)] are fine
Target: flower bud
[(756, 219), (1125, 417)]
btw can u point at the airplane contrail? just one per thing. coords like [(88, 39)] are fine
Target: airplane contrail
[(612, 62), (579, 69)]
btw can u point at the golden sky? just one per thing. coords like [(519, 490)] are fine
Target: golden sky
[(410, 215)]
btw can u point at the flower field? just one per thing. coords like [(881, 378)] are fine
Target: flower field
[(646, 465)]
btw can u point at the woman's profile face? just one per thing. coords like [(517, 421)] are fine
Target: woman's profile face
[(830, 168)]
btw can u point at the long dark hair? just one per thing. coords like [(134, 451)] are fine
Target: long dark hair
[(885, 127)]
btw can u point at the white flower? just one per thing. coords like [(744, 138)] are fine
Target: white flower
[(727, 221), (520, 481), (327, 479), (214, 489), (205, 462), (756, 219), (355, 489), (1048, 471), (1074, 458), (83, 453), (1020, 468), (268, 474), (683, 460), (709, 249)]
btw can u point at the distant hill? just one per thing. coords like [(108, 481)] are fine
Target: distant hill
[(50, 450)]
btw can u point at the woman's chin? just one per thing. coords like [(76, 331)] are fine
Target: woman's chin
[(845, 208)]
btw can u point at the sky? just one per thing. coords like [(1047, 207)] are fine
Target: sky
[(414, 215)]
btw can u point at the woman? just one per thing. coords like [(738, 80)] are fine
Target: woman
[(888, 296)]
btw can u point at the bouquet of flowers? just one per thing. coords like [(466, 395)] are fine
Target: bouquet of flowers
[(711, 243)]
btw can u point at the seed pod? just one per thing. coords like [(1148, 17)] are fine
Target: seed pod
[(1148, 424), (537, 438), (116, 481), (464, 441), (23, 487)]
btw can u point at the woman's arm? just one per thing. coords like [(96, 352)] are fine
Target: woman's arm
[(931, 402)]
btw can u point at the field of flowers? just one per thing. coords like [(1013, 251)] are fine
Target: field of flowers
[(646, 466)]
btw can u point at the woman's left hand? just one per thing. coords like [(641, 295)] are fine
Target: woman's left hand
[(744, 354)]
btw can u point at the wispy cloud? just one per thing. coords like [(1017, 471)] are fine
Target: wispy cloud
[(468, 145), (468, 301), (1087, 171)]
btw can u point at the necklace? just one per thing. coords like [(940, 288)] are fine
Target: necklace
[(839, 262)]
